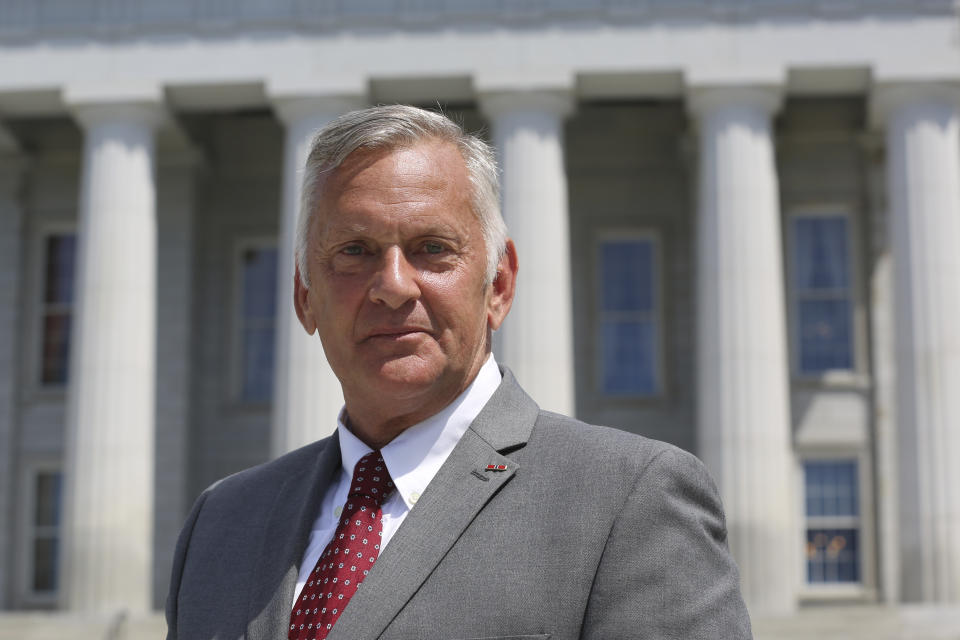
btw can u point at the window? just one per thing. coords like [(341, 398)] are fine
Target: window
[(258, 285), (44, 533), (628, 327), (822, 306), (57, 308), (833, 540)]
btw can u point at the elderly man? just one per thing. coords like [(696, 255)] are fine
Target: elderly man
[(446, 505)]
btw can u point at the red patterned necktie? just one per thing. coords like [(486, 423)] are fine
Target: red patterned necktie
[(348, 558)]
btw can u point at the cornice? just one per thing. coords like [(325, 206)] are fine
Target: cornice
[(32, 19)]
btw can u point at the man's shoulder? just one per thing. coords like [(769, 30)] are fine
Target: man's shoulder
[(620, 451), (269, 475)]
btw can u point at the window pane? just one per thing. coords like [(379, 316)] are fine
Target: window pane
[(823, 305), (47, 508), (259, 282), (58, 276), (821, 253), (628, 334), (626, 275), (629, 358), (258, 364), (259, 279), (56, 348), (831, 488), (833, 555), (826, 340), (45, 552), (45, 537)]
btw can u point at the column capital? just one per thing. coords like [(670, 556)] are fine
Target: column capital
[(703, 99), (294, 108), (557, 102), (95, 105), (150, 115), (886, 98)]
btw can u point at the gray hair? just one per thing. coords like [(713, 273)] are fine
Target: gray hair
[(393, 127)]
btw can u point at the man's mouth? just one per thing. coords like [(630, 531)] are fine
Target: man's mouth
[(396, 332)]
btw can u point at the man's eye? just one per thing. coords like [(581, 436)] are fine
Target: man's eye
[(433, 247), (353, 250)]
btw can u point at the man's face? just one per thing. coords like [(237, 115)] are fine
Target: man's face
[(396, 260)]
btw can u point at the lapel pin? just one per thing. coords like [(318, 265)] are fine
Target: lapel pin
[(496, 467)]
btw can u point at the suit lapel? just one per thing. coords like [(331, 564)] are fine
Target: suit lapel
[(452, 500), (284, 538)]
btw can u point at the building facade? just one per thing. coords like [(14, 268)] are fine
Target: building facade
[(736, 223)]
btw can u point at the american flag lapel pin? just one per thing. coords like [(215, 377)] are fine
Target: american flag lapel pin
[(496, 467)]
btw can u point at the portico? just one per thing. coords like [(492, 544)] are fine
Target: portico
[(662, 202)]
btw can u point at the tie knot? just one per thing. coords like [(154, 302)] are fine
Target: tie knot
[(371, 478)]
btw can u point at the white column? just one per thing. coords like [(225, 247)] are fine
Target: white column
[(743, 419), (108, 522), (923, 183), (536, 340), (306, 394), (12, 167)]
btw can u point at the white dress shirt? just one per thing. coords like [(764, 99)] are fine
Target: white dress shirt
[(413, 459)]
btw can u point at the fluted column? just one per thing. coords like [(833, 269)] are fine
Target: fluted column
[(108, 523), (536, 340), (923, 184), (743, 419), (306, 394)]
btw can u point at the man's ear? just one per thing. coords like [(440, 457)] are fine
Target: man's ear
[(503, 287), (301, 302)]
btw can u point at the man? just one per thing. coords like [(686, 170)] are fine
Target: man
[(446, 505)]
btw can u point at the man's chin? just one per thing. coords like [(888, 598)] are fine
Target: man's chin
[(407, 376)]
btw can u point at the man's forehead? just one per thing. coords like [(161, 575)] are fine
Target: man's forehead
[(419, 186), (423, 157)]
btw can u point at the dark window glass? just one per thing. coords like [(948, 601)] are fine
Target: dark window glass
[(832, 555), (629, 355), (628, 327), (833, 515), (46, 530), (627, 268), (823, 306), (45, 564), (56, 347), (61, 255), (59, 262), (259, 280), (47, 509), (831, 488)]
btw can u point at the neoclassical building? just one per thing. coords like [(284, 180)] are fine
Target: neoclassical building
[(737, 223)]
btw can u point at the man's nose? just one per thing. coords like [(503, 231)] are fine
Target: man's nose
[(396, 281)]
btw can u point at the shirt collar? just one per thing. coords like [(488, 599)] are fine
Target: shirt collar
[(414, 457)]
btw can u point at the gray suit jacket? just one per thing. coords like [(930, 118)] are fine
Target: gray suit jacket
[(589, 533)]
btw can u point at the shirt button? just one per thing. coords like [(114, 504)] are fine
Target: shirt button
[(414, 497), (338, 511)]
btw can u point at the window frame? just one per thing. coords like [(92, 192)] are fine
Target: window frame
[(236, 376), (38, 308), (864, 590), (856, 374), (655, 238), (26, 596)]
